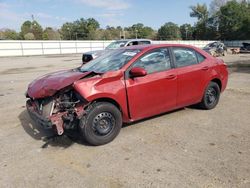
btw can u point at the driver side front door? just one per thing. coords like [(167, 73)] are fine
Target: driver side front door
[(156, 92)]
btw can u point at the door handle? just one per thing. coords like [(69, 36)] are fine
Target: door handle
[(205, 68), (171, 76)]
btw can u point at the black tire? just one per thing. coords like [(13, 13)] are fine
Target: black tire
[(101, 124), (211, 96)]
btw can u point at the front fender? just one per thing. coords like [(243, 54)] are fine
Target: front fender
[(104, 88)]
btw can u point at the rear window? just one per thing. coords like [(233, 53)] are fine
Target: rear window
[(184, 57)]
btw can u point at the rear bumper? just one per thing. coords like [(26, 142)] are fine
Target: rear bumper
[(44, 122)]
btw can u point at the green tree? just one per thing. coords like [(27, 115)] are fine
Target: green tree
[(169, 31), (92, 24), (140, 31), (83, 29), (245, 28), (37, 30), (186, 31), (67, 31), (45, 36), (51, 34), (25, 28), (9, 34), (29, 36), (227, 20), (200, 12), (112, 33), (206, 28), (234, 20), (31, 27)]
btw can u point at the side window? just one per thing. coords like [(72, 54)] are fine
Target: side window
[(184, 57), (130, 44), (144, 42), (133, 43), (200, 57), (155, 61)]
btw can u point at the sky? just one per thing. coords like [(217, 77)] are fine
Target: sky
[(53, 13)]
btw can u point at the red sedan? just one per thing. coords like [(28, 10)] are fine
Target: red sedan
[(126, 85)]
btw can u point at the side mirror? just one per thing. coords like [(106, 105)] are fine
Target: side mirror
[(137, 72)]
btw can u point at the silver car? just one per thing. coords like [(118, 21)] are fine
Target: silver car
[(88, 56)]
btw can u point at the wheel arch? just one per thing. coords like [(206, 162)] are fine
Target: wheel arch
[(110, 100), (217, 81)]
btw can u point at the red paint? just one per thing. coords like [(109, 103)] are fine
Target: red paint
[(49, 84), (138, 72), (140, 97), (151, 94), (110, 85)]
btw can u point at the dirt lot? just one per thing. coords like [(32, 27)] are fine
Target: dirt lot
[(185, 148)]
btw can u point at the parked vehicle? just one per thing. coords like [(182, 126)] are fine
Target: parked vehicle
[(216, 49), (88, 56), (126, 85), (245, 48), (127, 42)]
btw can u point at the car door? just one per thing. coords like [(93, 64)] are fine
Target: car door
[(156, 92), (192, 70)]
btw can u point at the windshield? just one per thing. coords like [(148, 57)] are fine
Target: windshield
[(117, 44), (110, 61), (211, 45)]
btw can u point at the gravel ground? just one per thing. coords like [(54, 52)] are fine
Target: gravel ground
[(184, 148)]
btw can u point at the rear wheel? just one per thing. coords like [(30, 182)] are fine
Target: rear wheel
[(211, 96), (101, 124)]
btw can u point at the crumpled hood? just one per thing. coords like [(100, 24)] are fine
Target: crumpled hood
[(49, 84)]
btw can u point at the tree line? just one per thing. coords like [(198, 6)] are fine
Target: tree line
[(224, 20)]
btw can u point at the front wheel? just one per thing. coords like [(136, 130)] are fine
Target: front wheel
[(211, 96), (101, 124)]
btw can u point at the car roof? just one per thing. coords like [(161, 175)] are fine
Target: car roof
[(128, 40), (152, 46)]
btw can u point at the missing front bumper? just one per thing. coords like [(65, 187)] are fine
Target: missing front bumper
[(54, 121), (35, 116)]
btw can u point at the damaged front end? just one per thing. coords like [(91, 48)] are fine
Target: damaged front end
[(61, 111)]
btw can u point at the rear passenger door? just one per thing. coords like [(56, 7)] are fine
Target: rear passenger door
[(192, 70)]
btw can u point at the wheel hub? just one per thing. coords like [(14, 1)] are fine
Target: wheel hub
[(211, 95), (103, 123)]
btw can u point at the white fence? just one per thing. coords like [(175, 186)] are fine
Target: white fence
[(197, 43), (35, 47)]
